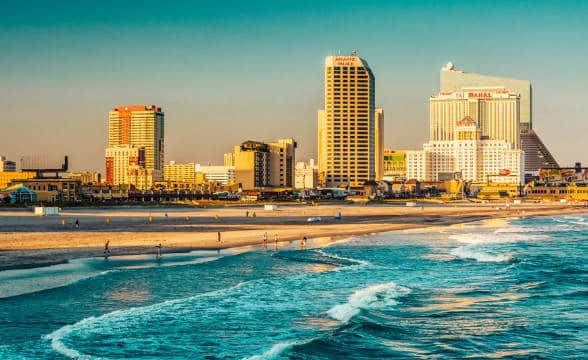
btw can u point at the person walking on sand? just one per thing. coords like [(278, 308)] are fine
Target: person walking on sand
[(107, 249), (253, 215), (218, 240), (158, 251), (247, 213), (265, 238)]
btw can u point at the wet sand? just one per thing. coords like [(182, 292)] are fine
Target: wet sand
[(30, 241)]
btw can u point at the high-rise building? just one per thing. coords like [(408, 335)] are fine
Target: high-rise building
[(451, 80), (179, 172), (282, 161), (7, 165), (140, 126), (347, 124), (536, 153), (495, 111)]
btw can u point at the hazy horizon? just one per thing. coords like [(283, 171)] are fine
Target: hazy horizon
[(228, 72)]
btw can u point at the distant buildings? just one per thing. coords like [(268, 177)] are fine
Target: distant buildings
[(349, 131), (259, 165), (136, 127), (306, 175), (223, 175), (85, 178), (179, 172), (536, 153), (468, 157), (229, 159), (394, 165), (120, 161), (9, 177), (7, 165)]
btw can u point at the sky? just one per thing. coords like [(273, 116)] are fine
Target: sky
[(229, 71)]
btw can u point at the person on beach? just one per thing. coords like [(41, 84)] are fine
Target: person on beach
[(253, 215), (218, 239), (265, 238), (247, 213), (77, 224), (158, 251), (107, 249), (303, 243), (276, 241)]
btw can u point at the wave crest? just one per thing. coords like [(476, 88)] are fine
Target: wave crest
[(372, 297), (469, 252)]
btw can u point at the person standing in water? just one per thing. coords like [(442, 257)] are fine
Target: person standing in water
[(107, 249)]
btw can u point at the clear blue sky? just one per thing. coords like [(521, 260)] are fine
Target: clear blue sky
[(228, 71)]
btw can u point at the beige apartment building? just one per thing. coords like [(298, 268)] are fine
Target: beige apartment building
[(259, 165), (347, 126), (120, 159), (252, 161), (282, 162), (140, 126), (179, 172), (496, 111)]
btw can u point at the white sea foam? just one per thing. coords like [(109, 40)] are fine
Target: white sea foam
[(275, 350), (359, 263), (470, 252), (495, 238), (372, 297)]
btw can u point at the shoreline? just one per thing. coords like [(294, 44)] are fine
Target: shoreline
[(49, 246)]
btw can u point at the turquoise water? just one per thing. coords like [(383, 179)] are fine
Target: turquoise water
[(502, 289)]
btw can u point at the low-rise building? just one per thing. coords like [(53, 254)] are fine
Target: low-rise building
[(179, 172), (7, 165), (394, 165), (54, 189), (7, 177), (223, 175), (86, 178)]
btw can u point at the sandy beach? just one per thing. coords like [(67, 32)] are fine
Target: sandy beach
[(30, 241)]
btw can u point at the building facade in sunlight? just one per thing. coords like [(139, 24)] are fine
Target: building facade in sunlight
[(495, 110), (536, 153), (348, 130), (140, 127)]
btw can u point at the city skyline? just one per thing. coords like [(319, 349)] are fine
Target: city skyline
[(265, 81)]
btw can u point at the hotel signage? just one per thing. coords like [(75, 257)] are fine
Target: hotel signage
[(345, 61)]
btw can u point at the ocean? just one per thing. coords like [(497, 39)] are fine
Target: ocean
[(508, 289)]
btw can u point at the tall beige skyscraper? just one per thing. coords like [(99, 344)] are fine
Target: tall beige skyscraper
[(347, 125), (140, 126)]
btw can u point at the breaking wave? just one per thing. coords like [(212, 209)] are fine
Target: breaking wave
[(470, 252), (372, 297)]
